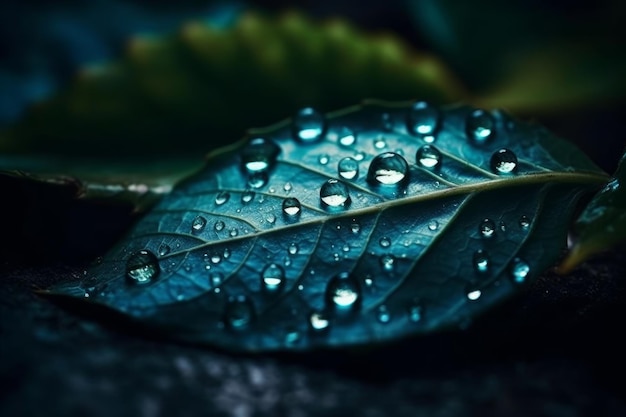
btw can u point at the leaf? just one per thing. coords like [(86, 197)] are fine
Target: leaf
[(602, 224), (370, 224)]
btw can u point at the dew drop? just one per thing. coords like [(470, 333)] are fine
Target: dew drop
[(355, 228), (343, 291), (387, 262), (142, 267), (247, 196), (524, 222), (271, 219), (433, 225), (216, 259), (348, 168), (273, 278), (487, 228), (292, 208), (233, 232), (388, 169), (384, 242), (226, 253), (164, 249), (480, 127), (423, 120), (323, 159), (238, 313), (222, 197), (504, 161), (519, 270), (259, 155), (309, 125), (318, 321), (474, 295), (481, 261), (198, 224), (219, 226), (287, 187), (382, 314), (334, 194), (428, 157), (257, 179), (347, 137), (293, 249), (379, 143)]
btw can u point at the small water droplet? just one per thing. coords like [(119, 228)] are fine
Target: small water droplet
[(379, 143), (387, 262), (384, 242), (481, 261), (433, 225), (257, 179), (474, 295), (487, 228), (198, 224), (416, 313), (292, 208), (387, 123), (271, 219), (346, 137), (309, 125), (226, 253), (355, 227), (292, 337), (423, 120), (388, 169), (480, 127), (222, 197), (287, 187), (216, 259), (319, 321), (293, 249), (219, 226), (346, 248), (164, 249), (259, 155), (502, 226), (359, 155), (247, 196), (238, 313), (323, 159), (382, 314), (524, 222), (334, 195), (142, 267), (504, 161), (519, 270), (428, 157), (273, 278), (233, 232), (343, 291), (348, 168)]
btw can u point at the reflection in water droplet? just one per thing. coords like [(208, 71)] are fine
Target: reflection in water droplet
[(272, 278), (382, 314), (259, 155), (519, 270), (318, 321), (309, 125), (334, 194), (428, 157), (164, 249), (503, 161), (292, 208), (323, 159), (219, 226), (433, 225), (142, 267), (524, 222), (247, 196), (238, 313), (480, 127), (384, 242), (348, 168), (387, 262), (222, 197), (343, 292), (481, 261), (346, 137), (423, 120), (474, 295), (416, 312), (257, 179), (487, 228), (198, 224), (293, 249), (388, 169)]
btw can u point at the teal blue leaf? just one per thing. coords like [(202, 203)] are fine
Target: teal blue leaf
[(366, 225)]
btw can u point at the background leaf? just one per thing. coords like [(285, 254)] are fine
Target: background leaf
[(282, 243)]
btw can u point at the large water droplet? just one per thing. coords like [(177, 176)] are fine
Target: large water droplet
[(292, 208), (382, 314), (334, 194), (343, 292), (238, 313), (273, 278), (423, 120), (222, 197), (387, 262), (198, 224), (481, 261), (142, 267), (487, 228), (388, 168), (259, 155), (219, 226), (519, 270), (480, 127), (309, 125), (348, 168), (428, 157), (247, 196), (504, 161)]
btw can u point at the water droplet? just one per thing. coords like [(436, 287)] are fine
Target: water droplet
[(309, 125), (348, 168), (345, 248), (164, 249), (272, 277), (384, 242), (287, 187), (142, 267), (379, 143), (293, 249), (222, 197), (386, 122), (355, 228), (343, 291), (481, 261), (247, 196), (318, 321), (257, 179), (292, 337), (423, 120), (382, 314), (334, 194), (433, 225), (359, 155), (216, 259), (502, 226), (226, 253), (387, 262), (259, 155), (292, 208), (416, 312), (388, 169), (524, 222), (428, 157), (487, 228), (198, 224), (503, 161), (474, 295), (519, 270), (480, 127), (238, 313), (233, 232), (271, 219), (346, 137), (323, 159), (216, 279), (219, 226)]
